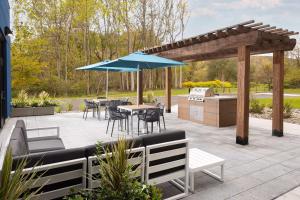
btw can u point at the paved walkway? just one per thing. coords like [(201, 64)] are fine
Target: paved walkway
[(265, 169)]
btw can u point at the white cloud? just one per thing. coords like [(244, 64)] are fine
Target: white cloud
[(240, 4)]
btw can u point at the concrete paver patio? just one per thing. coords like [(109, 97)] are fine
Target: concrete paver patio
[(265, 169)]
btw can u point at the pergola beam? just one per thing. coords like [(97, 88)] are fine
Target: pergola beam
[(212, 46)]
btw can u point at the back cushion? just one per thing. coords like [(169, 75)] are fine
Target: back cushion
[(50, 157), (167, 136), (91, 150), (18, 143), (21, 124)]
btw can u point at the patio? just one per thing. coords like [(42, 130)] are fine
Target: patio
[(265, 169)]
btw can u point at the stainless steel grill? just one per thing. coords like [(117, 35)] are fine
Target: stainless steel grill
[(198, 94)]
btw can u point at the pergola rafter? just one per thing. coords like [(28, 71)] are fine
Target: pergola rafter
[(240, 40)]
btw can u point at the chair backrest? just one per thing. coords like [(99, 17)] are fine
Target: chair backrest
[(113, 112), (161, 107), (166, 161), (68, 175), (88, 103), (152, 114), (136, 159)]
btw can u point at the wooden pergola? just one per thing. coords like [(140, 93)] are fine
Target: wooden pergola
[(241, 41)]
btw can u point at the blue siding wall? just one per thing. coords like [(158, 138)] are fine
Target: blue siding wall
[(5, 21)]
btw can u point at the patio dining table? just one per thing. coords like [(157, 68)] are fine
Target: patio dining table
[(133, 109)]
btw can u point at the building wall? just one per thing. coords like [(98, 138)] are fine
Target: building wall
[(5, 21)]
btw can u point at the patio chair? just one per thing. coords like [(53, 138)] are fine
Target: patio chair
[(116, 115), (161, 113), (112, 103), (90, 105), (149, 116)]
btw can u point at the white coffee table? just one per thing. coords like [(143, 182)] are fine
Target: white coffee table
[(200, 161)]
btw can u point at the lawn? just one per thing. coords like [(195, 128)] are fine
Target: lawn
[(119, 94), (295, 101)]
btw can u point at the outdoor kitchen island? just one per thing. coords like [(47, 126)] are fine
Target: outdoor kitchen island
[(219, 111)]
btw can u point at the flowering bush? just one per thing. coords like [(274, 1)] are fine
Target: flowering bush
[(212, 84)]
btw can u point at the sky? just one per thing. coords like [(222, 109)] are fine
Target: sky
[(209, 15)]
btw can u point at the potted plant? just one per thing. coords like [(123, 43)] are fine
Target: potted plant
[(24, 106)]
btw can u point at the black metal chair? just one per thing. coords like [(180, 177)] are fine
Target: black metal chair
[(161, 113), (149, 116), (90, 105), (116, 115), (111, 103)]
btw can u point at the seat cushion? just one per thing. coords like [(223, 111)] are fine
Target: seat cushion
[(45, 145), (18, 143)]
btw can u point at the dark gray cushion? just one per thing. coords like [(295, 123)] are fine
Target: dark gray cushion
[(166, 136), (18, 143), (91, 150), (50, 157), (21, 124), (17, 148), (45, 145)]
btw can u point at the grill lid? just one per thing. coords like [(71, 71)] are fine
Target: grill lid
[(198, 93)]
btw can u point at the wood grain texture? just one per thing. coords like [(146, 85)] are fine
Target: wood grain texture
[(243, 82), (278, 78)]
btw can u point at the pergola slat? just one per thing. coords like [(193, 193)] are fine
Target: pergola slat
[(254, 25)]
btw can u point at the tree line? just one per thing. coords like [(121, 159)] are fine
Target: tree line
[(53, 37)]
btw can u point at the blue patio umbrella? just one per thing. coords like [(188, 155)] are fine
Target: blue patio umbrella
[(99, 67), (140, 60)]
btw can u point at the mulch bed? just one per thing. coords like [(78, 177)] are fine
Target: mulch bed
[(267, 114)]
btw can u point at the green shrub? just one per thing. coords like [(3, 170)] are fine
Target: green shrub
[(82, 107), (58, 109), (287, 110), (117, 181), (33, 102), (45, 100), (213, 84), (17, 185), (149, 98), (256, 106), (22, 100), (69, 107)]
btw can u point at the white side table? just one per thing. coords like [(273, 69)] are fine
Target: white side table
[(199, 161)]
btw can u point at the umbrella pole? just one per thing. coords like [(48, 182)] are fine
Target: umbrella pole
[(137, 85), (107, 84)]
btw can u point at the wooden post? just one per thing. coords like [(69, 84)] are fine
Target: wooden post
[(139, 82), (278, 77), (168, 88), (243, 74)]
